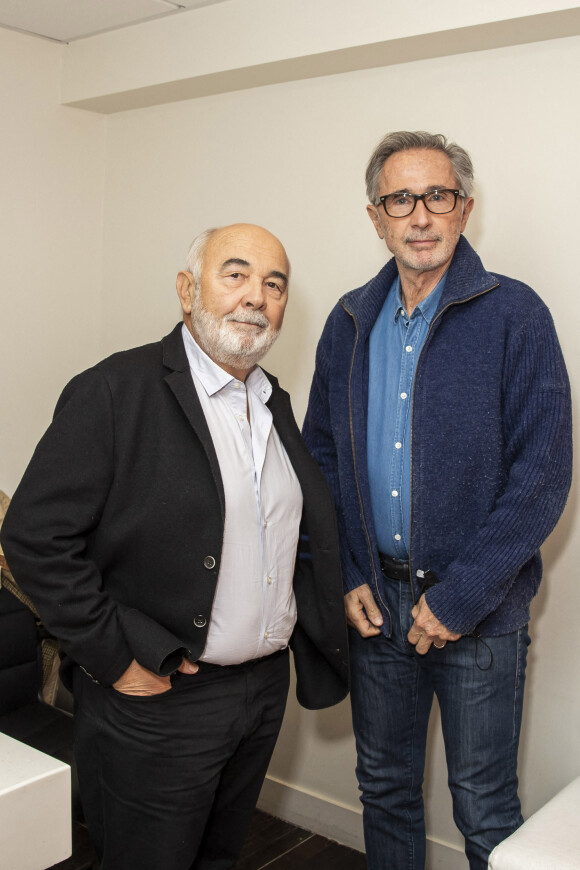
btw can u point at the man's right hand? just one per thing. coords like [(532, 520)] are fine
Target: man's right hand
[(362, 612), (137, 680)]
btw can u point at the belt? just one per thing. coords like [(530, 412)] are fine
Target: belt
[(210, 666), (394, 569)]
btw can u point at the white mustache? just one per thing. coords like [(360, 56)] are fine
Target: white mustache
[(254, 317), (423, 239)]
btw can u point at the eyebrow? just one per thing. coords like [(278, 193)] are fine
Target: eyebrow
[(430, 189), (238, 261), (234, 261), (279, 275)]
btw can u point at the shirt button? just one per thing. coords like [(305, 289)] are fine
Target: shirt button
[(241, 417), (269, 581), (403, 395), (409, 348), (394, 493), (398, 445), (237, 385), (266, 634), (209, 562), (265, 523), (200, 621), (397, 537)]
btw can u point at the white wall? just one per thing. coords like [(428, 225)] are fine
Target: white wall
[(291, 156), (51, 243)]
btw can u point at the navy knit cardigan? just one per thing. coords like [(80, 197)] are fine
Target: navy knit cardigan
[(491, 443)]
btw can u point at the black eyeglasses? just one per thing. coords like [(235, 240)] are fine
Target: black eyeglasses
[(436, 201)]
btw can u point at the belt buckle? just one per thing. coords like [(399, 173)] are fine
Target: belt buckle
[(399, 570)]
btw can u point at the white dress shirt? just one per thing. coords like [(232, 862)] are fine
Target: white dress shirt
[(254, 610)]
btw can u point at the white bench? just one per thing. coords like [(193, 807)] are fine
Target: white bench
[(548, 840), (35, 814)]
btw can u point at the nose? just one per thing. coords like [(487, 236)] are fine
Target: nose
[(255, 296), (421, 214)]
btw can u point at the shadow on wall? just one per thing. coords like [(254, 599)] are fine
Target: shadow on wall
[(332, 726)]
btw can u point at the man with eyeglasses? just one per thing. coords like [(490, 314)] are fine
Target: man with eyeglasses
[(440, 414)]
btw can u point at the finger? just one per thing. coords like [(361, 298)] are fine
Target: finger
[(353, 612), (431, 626), (359, 622), (369, 605), (422, 642), (441, 633), (423, 646), (414, 635), (187, 667), (369, 630), (145, 687)]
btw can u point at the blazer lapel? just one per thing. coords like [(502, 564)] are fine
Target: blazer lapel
[(180, 382)]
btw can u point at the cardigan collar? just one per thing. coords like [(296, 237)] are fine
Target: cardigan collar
[(466, 277)]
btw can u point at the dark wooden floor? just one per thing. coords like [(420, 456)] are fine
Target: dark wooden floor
[(278, 845), (271, 843)]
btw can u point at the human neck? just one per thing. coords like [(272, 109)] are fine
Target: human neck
[(416, 286), (239, 374)]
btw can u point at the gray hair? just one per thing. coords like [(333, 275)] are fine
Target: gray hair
[(405, 141), (194, 256)]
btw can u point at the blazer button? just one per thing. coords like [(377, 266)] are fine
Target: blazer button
[(209, 562), (200, 621)]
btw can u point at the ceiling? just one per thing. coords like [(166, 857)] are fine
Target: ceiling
[(66, 20)]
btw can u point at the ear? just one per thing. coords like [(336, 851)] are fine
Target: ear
[(469, 203), (184, 286), (373, 213)]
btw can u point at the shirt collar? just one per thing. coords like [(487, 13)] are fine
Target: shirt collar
[(426, 308), (213, 378)]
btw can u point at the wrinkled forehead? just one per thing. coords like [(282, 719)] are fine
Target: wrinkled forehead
[(254, 247), (417, 170)]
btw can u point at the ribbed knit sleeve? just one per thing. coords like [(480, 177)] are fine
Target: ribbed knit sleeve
[(537, 433)]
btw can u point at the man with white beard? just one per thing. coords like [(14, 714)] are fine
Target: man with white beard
[(157, 531)]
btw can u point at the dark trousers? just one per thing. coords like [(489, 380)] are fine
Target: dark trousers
[(170, 781)]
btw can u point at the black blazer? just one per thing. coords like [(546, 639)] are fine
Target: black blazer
[(116, 528)]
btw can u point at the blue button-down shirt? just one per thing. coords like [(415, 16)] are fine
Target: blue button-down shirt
[(395, 345)]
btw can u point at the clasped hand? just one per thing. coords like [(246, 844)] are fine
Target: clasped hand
[(427, 630), (363, 614)]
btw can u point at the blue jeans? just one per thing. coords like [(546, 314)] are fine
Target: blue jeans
[(479, 685)]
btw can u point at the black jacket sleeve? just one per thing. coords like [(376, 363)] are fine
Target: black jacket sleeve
[(47, 532)]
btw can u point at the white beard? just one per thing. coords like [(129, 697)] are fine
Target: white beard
[(227, 345)]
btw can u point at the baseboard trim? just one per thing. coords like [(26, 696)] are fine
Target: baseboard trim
[(312, 811), (338, 821)]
